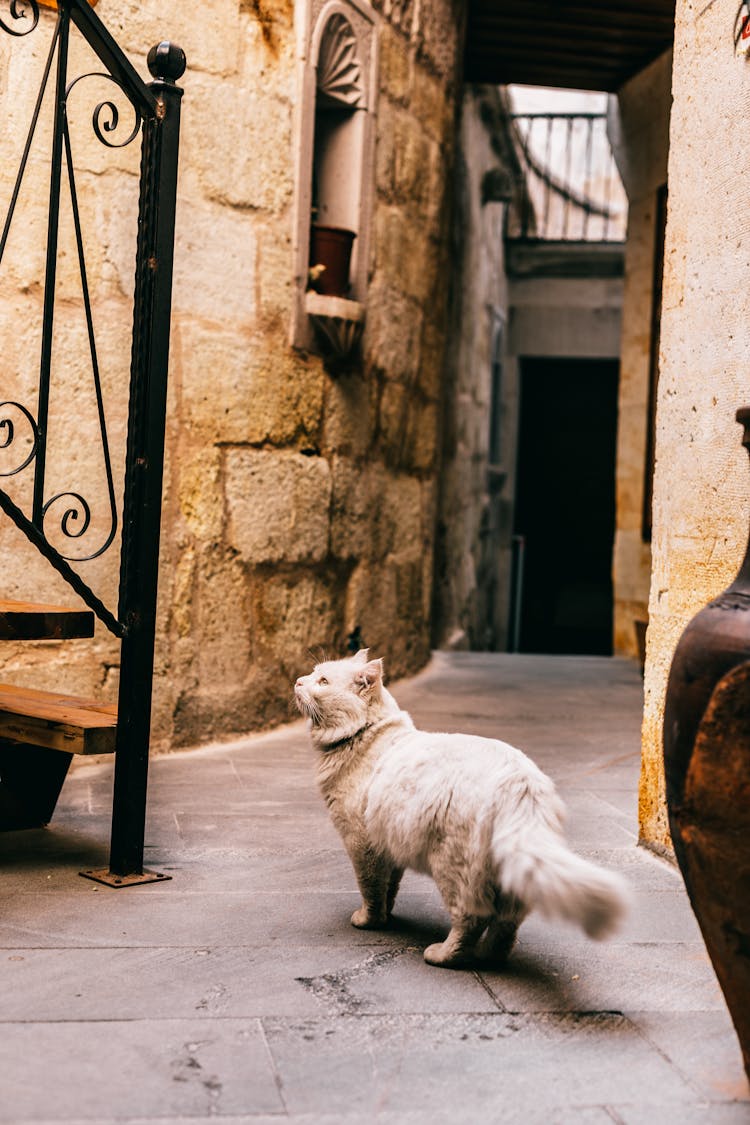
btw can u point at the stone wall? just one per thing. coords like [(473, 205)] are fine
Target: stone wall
[(701, 488), (300, 497), (639, 133), (468, 563)]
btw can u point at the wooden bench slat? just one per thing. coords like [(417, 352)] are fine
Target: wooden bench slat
[(58, 722), (28, 621)]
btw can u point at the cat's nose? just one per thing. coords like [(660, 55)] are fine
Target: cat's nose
[(299, 682)]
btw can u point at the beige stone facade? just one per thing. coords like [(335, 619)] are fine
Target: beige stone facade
[(639, 133), (701, 486), (300, 492)]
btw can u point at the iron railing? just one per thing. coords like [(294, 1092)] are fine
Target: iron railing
[(25, 426), (571, 188)]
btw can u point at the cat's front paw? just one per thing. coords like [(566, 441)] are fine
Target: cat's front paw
[(364, 919)]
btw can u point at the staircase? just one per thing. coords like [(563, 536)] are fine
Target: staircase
[(40, 731)]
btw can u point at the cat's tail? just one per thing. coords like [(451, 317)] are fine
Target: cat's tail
[(539, 869)]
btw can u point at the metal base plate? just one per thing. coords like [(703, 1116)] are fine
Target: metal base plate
[(104, 875)]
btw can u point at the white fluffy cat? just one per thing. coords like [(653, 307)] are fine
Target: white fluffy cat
[(475, 814)]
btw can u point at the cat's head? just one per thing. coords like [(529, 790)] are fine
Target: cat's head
[(339, 696)]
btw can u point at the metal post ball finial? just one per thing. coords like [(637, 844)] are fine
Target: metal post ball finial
[(167, 62)]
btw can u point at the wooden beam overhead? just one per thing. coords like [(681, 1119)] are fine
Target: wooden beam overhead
[(581, 44)]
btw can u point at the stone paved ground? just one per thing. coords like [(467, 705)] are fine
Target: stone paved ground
[(239, 992)]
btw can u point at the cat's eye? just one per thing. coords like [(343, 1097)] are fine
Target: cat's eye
[(322, 680)]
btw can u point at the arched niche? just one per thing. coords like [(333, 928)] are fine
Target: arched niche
[(335, 170), (340, 119)]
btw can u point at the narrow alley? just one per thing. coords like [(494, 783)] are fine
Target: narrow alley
[(239, 992)]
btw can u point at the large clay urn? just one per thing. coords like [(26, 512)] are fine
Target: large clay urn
[(707, 765)]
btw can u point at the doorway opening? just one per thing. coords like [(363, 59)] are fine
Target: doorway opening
[(565, 506)]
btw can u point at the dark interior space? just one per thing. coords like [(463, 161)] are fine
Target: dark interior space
[(565, 505)]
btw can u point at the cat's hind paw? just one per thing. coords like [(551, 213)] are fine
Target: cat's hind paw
[(364, 919), (446, 958)]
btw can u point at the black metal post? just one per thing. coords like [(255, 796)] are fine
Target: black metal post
[(145, 461)]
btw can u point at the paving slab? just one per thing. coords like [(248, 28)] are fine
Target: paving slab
[(239, 992), (544, 1062), (150, 1068)]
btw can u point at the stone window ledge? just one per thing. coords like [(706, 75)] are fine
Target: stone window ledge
[(338, 321)]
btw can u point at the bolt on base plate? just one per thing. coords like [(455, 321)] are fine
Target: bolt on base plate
[(104, 875)]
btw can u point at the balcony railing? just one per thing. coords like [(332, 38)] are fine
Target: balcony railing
[(571, 188)]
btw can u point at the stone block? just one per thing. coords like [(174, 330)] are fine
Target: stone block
[(403, 517), (255, 141), (275, 270), (371, 604), (181, 616), (222, 619), (431, 105), (268, 44), (396, 63), (395, 404), (210, 43), (385, 151), (215, 276), (386, 601), (424, 437), (433, 344), (358, 508), (277, 505), (200, 492), (295, 615), (414, 159), (408, 429), (25, 252), (405, 254), (237, 388), (233, 708), (393, 329), (349, 415), (439, 45)]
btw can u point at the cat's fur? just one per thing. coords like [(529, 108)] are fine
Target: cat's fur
[(476, 814)]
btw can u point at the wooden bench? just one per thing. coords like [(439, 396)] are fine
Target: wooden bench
[(40, 731), (24, 621), (57, 722)]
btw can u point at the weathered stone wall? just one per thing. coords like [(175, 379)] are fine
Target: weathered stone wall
[(299, 502), (639, 134), (701, 487), (471, 512)]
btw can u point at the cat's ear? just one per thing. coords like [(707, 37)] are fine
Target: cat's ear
[(369, 676), (361, 656)]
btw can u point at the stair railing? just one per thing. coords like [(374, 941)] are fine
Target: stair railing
[(156, 120)]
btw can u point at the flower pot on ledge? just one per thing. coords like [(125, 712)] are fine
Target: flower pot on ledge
[(330, 259)]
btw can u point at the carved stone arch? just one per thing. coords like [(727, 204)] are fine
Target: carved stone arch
[(339, 77)]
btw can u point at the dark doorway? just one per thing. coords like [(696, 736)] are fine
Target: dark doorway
[(565, 504)]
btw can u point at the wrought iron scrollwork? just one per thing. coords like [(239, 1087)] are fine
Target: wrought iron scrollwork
[(8, 435), (69, 511), (75, 522), (21, 10), (106, 118)]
